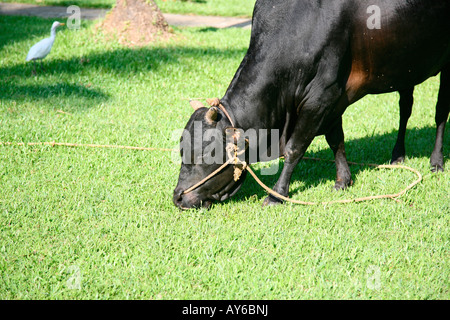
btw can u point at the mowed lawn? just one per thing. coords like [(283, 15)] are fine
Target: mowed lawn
[(79, 223)]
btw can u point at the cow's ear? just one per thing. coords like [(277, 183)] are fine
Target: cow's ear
[(211, 115), (196, 104)]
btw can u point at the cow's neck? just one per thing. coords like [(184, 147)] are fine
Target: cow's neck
[(255, 110), (260, 112)]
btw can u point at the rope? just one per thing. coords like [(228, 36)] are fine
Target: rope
[(195, 186), (77, 145), (385, 196), (235, 160)]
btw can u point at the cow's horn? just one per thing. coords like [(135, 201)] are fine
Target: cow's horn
[(211, 115), (196, 104)]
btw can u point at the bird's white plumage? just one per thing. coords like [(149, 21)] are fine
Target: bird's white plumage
[(41, 49)]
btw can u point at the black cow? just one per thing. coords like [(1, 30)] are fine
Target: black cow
[(308, 60)]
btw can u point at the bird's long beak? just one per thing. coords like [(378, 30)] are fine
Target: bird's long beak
[(62, 24)]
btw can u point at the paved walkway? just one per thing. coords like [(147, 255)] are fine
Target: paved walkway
[(21, 9)]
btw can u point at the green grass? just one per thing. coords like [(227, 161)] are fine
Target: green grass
[(105, 217), (240, 8)]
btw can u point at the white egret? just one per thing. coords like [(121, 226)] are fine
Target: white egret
[(41, 49)]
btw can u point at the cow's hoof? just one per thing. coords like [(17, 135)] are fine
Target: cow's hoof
[(342, 185), (271, 201), (397, 161), (437, 163), (437, 168)]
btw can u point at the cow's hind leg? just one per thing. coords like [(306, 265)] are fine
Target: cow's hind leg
[(335, 138), (406, 104), (442, 111)]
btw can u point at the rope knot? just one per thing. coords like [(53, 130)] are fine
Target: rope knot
[(233, 154), (238, 171)]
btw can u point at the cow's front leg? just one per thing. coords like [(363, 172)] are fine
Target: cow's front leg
[(335, 139), (294, 151), (327, 105), (282, 186)]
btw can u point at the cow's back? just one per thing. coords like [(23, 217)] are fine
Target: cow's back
[(411, 44), (299, 48)]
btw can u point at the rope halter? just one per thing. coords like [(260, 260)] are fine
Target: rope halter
[(232, 151)]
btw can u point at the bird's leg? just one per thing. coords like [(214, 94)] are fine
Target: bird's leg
[(42, 67), (34, 68)]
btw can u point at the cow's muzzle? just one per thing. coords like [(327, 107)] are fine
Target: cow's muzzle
[(186, 201)]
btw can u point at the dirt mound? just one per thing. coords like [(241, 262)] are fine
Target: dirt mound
[(136, 23)]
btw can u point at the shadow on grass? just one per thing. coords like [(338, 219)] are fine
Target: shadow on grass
[(377, 149), (22, 29), (79, 95), (123, 61)]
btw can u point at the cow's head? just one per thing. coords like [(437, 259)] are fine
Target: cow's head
[(203, 149)]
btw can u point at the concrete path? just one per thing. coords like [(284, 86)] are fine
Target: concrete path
[(22, 9)]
